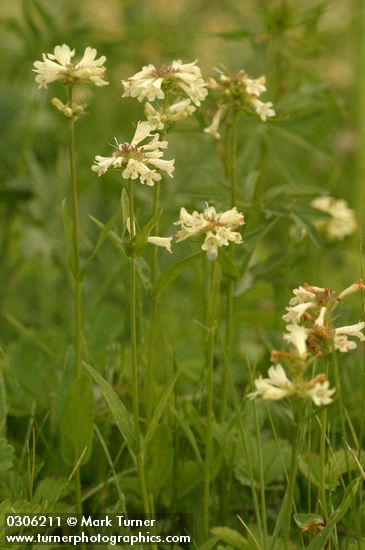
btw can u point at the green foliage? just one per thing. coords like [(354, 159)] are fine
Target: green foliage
[(136, 245), (313, 147), (6, 455), (171, 273), (120, 414), (336, 516), (231, 537), (76, 422)]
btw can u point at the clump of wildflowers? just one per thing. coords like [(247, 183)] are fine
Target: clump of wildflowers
[(58, 66), (136, 161), (342, 222), (217, 228), (177, 87), (236, 91), (310, 333)]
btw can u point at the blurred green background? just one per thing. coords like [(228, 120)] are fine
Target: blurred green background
[(310, 53)]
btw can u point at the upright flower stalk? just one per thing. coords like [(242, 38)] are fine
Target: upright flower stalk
[(134, 359), (310, 335), (153, 317), (59, 67), (217, 230), (137, 160), (75, 241), (236, 94), (171, 93), (211, 327), (232, 173)]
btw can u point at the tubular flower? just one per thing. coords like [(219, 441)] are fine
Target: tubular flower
[(59, 66), (297, 336), (182, 79), (342, 222), (237, 92), (321, 393), (310, 333), (341, 334), (143, 162), (216, 226), (294, 313), (212, 130), (275, 387), (164, 242), (158, 118), (264, 109)]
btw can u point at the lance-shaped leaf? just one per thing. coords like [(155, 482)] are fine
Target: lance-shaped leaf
[(171, 273), (160, 407), (136, 245), (77, 421), (120, 414), (111, 235)]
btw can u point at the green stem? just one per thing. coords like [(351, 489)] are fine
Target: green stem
[(232, 159), (232, 173), (75, 242), (322, 463), (289, 495), (228, 348), (133, 329), (359, 195), (77, 283), (153, 319), (211, 318), (262, 477)]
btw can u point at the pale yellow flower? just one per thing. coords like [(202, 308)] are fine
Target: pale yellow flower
[(58, 66)]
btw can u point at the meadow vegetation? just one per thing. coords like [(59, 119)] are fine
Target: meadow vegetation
[(182, 306)]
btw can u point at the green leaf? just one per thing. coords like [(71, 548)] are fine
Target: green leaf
[(339, 463), (120, 414), (291, 190), (302, 224), (6, 455), (170, 274), (188, 434), (67, 228), (309, 465), (103, 235), (50, 490), (160, 460), (112, 236), (319, 542), (77, 421), (232, 537), (273, 466), (211, 543), (136, 245), (160, 407), (305, 521), (3, 403), (300, 140)]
